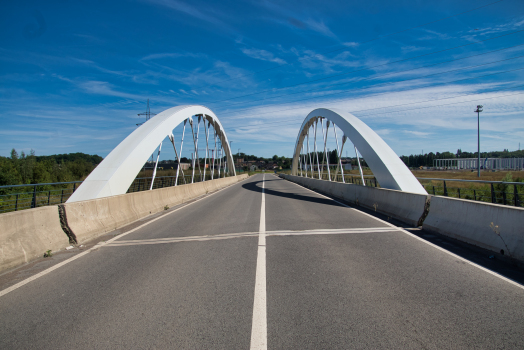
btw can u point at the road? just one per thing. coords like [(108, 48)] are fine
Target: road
[(320, 275)]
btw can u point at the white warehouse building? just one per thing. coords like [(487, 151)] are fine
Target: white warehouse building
[(485, 163)]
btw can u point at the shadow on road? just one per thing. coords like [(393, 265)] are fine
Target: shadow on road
[(254, 186)]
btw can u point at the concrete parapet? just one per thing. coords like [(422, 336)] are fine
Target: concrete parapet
[(404, 206), (475, 223), (26, 235), (90, 219)]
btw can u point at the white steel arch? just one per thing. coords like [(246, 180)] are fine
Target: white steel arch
[(387, 167), (116, 172)]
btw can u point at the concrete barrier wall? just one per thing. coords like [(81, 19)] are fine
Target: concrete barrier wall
[(90, 219), (470, 221), (404, 206), (26, 235)]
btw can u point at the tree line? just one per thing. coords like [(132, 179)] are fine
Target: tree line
[(19, 169)]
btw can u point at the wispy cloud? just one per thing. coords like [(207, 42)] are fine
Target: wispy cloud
[(190, 10), (157, 56), (105, 88), (297, 20), (417, 133), (320, 27), (482, 31), (262, 55)]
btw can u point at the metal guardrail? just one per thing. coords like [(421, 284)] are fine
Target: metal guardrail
[(44, 194)]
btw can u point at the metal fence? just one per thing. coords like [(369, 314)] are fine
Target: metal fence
[(144, 183), (499, 192), (20, 197), (369, 180)]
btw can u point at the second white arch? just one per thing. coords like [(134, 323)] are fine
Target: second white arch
[(385, 164)]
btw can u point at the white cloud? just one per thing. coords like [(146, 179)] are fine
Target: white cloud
[(417, 133), (190, 10), (262, 55), (104, 88)]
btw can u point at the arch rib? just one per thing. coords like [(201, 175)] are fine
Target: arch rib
[(116, 172), (387, 167)]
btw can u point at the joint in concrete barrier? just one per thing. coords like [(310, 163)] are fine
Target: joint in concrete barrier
[(65, 225), (426, 211)]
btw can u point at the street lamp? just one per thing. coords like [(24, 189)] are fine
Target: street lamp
[(479, 109)]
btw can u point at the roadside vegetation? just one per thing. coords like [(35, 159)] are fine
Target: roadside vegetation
[(21, 169)]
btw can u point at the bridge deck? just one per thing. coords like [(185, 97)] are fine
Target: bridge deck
[(335, 278)]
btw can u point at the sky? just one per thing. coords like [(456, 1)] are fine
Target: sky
[(75, 74)]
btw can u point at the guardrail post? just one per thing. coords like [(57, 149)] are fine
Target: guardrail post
[(445, 189), (516, 198), (74, 187), (16, 203), (62, 196), (33, 201), (458, 190), (433, 190), (48, 197), (475, 194), (493, 198), (504, 197)]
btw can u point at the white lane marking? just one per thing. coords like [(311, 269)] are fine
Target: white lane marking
[(341, 231), (424, 241), (259, 324), (52, 268)]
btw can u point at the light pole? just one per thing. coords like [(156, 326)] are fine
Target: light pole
[(479, 109)]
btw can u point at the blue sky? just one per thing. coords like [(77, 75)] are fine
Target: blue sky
[(74, 74)]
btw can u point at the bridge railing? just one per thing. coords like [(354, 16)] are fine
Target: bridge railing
[(20, 197), (499, 192)]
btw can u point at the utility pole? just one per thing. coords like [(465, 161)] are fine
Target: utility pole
[(479, 109)]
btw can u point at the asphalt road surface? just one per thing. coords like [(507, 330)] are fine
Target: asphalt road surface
[(265, 263)]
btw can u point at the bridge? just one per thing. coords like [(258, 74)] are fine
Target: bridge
[(270, 261)]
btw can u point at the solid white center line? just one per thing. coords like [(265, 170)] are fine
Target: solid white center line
[(259, 325)]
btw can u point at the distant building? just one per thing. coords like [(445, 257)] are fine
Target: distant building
[(485, 163)]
